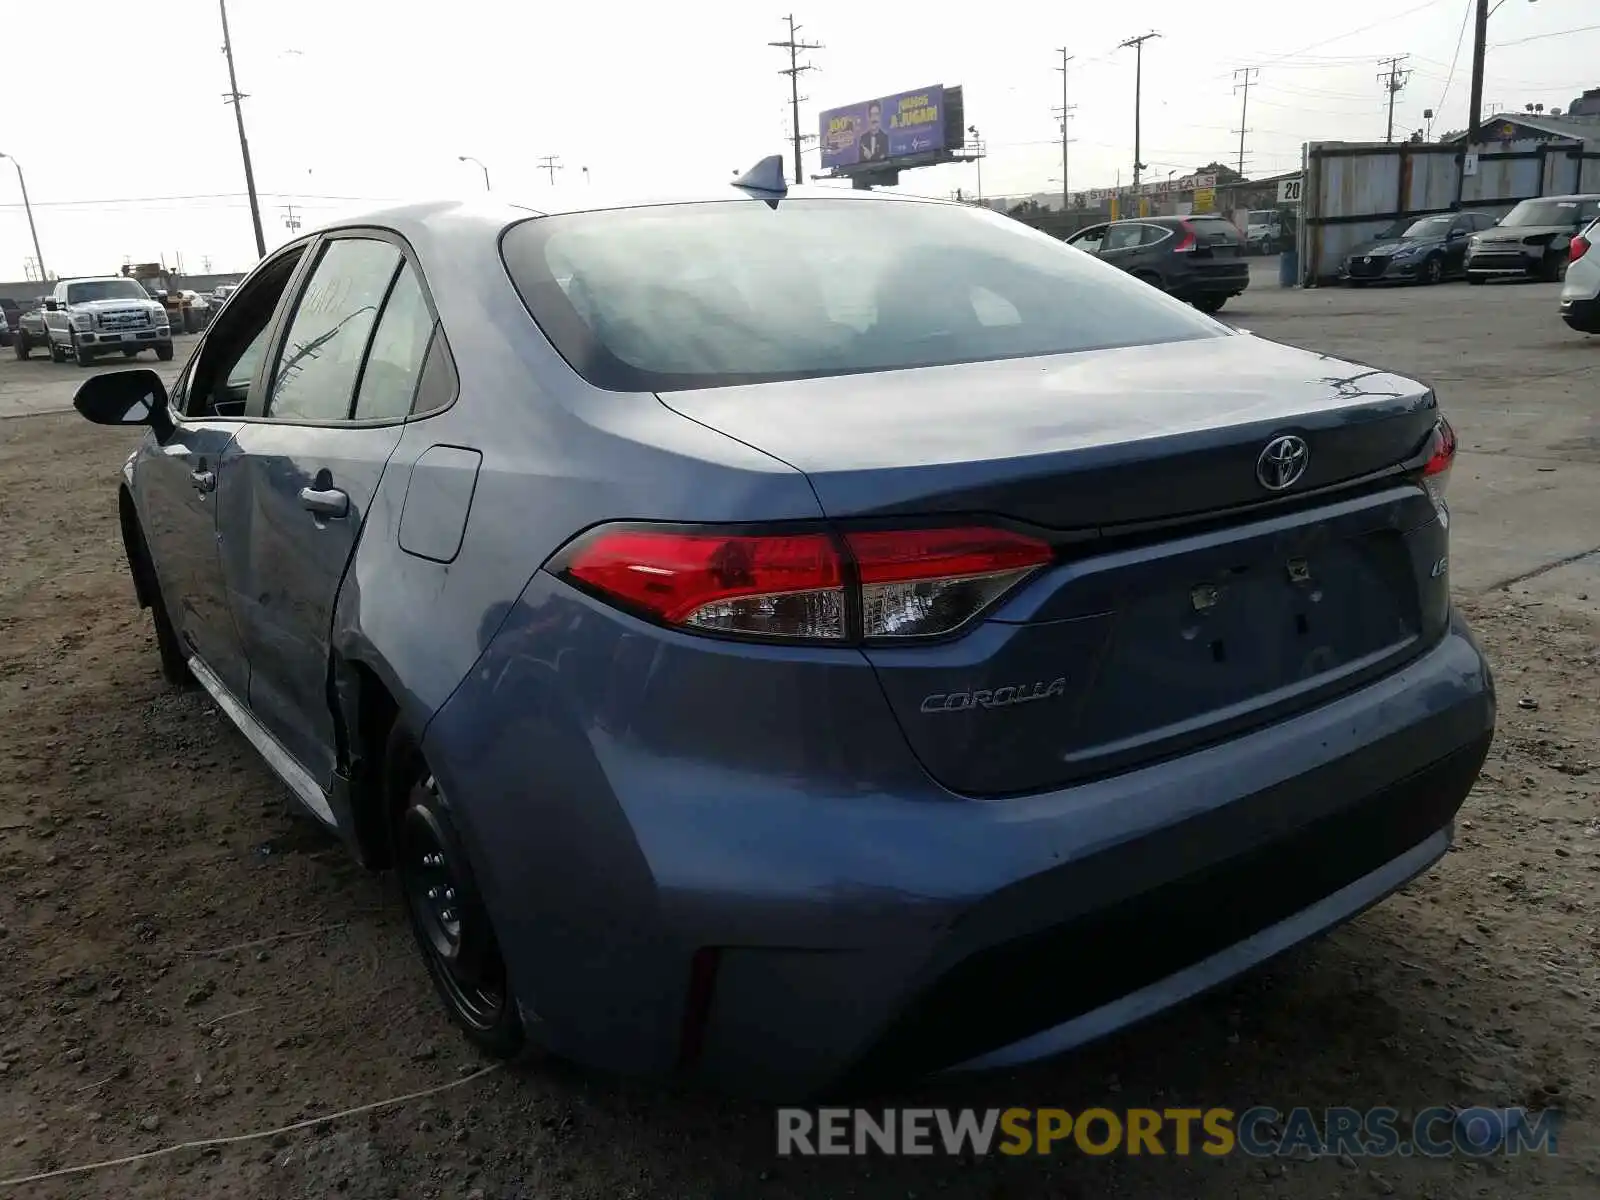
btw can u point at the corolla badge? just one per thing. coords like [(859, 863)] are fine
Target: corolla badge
[(1000, 697), (1282, 462)]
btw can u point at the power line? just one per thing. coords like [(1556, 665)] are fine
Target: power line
[(794, 70), (1138, 88), (1466, 15), (1249, 73), (552, 164), (1539, 37), (1393, 80)]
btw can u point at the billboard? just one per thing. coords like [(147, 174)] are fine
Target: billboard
[(904, 125)]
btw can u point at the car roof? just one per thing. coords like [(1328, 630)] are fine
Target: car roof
[(1569, 196)]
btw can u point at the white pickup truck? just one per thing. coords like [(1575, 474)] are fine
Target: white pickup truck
[(85, 318)]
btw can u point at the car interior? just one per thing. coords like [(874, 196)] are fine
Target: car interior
[(219, 383)]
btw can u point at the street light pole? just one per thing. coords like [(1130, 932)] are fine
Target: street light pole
[(236, 98), (481, 167), (28, 208)]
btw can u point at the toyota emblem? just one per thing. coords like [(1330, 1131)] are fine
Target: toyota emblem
[(1282, 462)]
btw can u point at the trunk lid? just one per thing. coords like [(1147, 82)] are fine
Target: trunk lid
[(1188, 602)]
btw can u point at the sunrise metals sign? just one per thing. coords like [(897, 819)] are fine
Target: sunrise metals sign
[(891, 129)]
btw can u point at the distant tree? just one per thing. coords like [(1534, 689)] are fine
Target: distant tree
[(1225, 174)]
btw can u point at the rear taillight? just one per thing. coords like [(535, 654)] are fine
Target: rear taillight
[(1186, 242), (1436, 472), (868, 584), (1579, 247)]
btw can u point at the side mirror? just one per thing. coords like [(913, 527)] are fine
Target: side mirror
[(125, 398), (50, 306)]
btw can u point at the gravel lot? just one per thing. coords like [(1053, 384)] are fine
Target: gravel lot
[(181, 957)]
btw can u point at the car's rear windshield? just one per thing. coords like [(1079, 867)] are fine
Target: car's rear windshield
[(724, 292), (1263, 216), (1551, 212), (105, 289)]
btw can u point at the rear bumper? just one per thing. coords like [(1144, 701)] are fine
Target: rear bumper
[(1221, 283), (1583, 315), (856, 922)]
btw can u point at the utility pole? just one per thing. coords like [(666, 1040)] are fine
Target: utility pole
[(233, 97), (1066, 115), (1480, 35), (794, 45), (1243, 85), (291, 221), (27, 207), (1138, 92), (552, 164), (1393, 80)]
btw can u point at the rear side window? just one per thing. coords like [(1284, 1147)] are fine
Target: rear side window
[(717, 293), (394, 364), (315, 375)]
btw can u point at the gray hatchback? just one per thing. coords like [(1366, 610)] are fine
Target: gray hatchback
[(791, 636), (1200, 259)]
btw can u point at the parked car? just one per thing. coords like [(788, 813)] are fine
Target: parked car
[(1580, 294), (1199, 259), (31, 330), (1422, 250), (1264, 231), (1531, 240), (807, 635), (85, 318), (10, 315)]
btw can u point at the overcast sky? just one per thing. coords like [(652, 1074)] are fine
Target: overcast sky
[(130, 152)]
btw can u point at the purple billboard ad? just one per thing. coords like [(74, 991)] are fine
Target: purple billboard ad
[(890, 127)]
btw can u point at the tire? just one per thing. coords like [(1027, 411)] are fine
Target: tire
[(23, 347), (1476, 280), (444, 907), (164, 351), (81, 354), (174, 663), (1553, 269), (1209, 303), (1432, 272), (130, 353), (57, 354), (1149, 277)]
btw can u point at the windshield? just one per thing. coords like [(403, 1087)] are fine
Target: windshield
[(1551, 212), (104, 289), (705, 295), (1428, 227)]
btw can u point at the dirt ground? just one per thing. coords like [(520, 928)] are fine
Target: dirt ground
[(181, 957)]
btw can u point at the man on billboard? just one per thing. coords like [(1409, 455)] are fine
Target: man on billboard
[(874, 142)]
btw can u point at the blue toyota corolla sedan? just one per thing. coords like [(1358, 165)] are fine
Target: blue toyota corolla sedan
[(796, 637)]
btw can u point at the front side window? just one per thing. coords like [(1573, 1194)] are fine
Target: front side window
[(314, 378), (225, 368), (723, 292), (91, 290)]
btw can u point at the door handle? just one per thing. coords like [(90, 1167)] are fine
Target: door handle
[(204, 481), (325, 502)]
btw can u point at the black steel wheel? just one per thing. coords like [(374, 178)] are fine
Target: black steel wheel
[(448, 918)]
